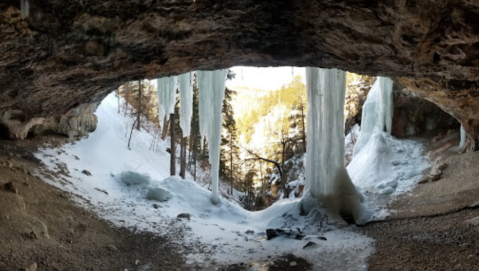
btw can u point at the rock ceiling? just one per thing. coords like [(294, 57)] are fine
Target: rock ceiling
[(72, 52)]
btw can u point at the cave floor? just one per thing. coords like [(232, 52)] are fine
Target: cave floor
[(40, 227), (427, 229)]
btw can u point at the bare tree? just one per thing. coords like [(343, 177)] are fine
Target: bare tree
[(173, 145)]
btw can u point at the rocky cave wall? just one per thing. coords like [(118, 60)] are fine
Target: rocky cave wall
[(73, 52)]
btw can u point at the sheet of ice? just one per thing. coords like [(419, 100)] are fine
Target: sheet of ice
[(166, 96), (326, 176), (377, 112), (185, 85), (211, 88), (226, 232)]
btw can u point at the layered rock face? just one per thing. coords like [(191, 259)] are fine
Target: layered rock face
[(68, 53)]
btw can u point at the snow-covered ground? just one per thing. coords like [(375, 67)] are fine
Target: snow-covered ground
[(228, 233)]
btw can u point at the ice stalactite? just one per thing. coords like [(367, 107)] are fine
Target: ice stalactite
[(211, 86), (463, 138), (326, 177), (185, 85), (166, 96), (24, 9), (377, 112)]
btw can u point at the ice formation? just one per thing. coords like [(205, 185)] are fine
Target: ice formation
[(377, 112), (211, 86), (24, 9), (166, 96), (185, 85), (326, 177), (463, 137)]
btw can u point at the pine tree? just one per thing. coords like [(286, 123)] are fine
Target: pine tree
[(229, 141)]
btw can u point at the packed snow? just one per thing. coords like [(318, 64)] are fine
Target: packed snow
[(121, 179)]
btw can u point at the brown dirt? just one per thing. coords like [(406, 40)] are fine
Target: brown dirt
[(427, 229), (39, 224)]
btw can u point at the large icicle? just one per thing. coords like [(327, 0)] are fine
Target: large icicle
[(24, 9), (166, 96), (326, 175), (185, 85), (211, 86), (377, 112), (463, 138)]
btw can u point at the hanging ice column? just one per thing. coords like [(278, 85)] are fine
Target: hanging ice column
[(24, 9), (166, 96), (463, 138), (211, 86), (377, 112), (185, 85), (326, 175)]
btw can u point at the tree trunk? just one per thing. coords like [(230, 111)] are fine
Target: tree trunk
[(183, 156), (172, 148), (194, 157), (283, 177), (127, 97), (138, 115), (303, 128), (131, 134), (231, 163), (165, 128)]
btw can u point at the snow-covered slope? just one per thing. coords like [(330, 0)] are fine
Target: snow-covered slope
[(229, 233)]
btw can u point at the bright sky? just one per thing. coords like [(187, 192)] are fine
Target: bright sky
[(264, 78)]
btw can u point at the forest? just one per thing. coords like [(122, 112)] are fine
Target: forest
[(263, 139)]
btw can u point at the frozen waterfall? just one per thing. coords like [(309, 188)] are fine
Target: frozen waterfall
[(377, 112), (326, 177), (166, 96), (211, 86), (463, 138), (185, 85)]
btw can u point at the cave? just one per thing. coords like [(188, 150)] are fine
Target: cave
[(60, 59)]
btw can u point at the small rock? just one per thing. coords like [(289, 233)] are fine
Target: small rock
[(322, 238), (137, 262), (293, 263), (310, 245), (249, 232), (112, 248), (32, 267), (156, 206), (76, 157), (184, 215), (86, 172)]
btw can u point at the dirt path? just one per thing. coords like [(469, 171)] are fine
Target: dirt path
[(40, 226)]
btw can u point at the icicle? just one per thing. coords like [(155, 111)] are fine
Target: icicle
[(185, 85), (211, 86), (326, 175), (24, 9), (377, 112), (463, 138), (166, 96)]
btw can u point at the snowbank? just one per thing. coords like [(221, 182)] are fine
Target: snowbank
[(229, 232)]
